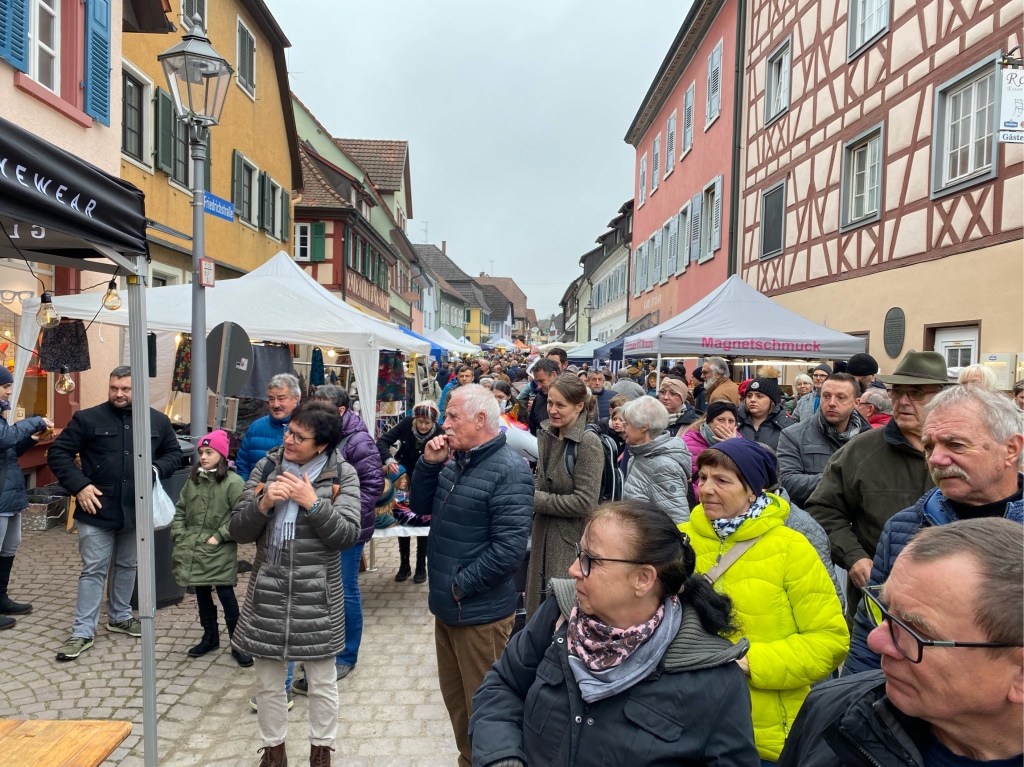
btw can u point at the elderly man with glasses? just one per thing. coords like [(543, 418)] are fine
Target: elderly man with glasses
[(950, 634), (880, 472)]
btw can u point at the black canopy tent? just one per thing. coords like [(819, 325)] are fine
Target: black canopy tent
[(57, 209)]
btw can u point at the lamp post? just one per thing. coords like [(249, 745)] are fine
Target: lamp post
[(198, 79), (588, 312)]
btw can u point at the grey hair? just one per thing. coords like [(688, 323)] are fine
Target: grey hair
[(988, 375), (997, 412), (477, 399), (877, 399), (285, 381), (646, 413), (803, 378), (718, 366), (121, 371)]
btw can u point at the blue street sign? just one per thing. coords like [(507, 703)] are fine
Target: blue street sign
[(215, 206)]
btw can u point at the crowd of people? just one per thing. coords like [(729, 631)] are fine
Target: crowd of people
[(831, 576)]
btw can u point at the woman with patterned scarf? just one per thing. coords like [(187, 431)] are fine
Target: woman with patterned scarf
[(785, 601), (624, 665)]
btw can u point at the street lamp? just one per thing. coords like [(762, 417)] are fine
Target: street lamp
[(198, 78), (588, 312)]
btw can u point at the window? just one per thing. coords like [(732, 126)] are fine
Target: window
[(687, 120), (656, 163), (963, 149), (132, 98), (773, 220), (246, 58), (191, 8), (862, 179), (670, 144), (44, 43), (714, 99), (683, 238), (868, 20), (777, 85), (706, 222), (245, 189), (171, 143), (467, 316), (643, 180), (302, 242)]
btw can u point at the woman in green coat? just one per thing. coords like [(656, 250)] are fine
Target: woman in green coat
[(204, 553)]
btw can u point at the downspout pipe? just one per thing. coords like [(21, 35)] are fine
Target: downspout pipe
[(737, 139)]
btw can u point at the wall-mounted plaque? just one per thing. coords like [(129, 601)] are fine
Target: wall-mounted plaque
[(894, 331)]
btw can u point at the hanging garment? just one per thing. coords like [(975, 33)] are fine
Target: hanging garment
[(181, 380), (267, 362), (316, 367), (66, 345), (390, 377)]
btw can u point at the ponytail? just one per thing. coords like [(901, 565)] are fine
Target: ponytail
[(713, 609)]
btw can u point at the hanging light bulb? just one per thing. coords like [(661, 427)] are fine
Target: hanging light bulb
[(64, 383), (112, 299), (46, 316), (331, 353)]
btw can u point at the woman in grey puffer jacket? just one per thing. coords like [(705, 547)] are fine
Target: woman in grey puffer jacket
[(301, 507), (659, 462)]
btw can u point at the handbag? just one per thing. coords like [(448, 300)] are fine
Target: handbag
[(163, 506)]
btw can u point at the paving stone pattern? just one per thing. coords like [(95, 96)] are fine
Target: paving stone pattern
[(390, 713)]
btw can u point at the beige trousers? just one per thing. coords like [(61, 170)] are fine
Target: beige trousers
[(272, 701)]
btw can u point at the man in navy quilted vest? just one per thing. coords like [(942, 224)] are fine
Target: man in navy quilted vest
[(480, 496)]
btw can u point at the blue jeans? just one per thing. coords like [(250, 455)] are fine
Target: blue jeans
[(10, 534), (353, 605), (102, 549)]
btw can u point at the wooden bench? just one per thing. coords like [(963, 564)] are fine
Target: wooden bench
[(55, 743)]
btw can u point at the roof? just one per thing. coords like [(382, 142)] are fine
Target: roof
[(473, 294), (450, 289), (440, 264), (494, 297), (385, 161), (531, 318), (509, 288), (317, 191)]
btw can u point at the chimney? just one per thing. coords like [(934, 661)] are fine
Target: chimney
[(483, 274), (444, 247)]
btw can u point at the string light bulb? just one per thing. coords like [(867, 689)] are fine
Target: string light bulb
[(64, 383), (47, 316), (112, 299), (331, 353)]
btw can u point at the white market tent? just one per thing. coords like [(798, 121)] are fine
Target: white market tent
[(585, 352), (277, 302), (504, 343), (736, 320), (442, 337)]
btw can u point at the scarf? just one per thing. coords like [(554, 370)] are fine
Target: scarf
[(840, 438), (286, 512), (726, 527), (709, 436), (606, 660), (419, 440)]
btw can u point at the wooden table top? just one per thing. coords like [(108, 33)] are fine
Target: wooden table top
[(55, 743)]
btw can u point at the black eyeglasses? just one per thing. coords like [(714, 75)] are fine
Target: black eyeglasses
[(298, 439), (910, 644), (585, 560)]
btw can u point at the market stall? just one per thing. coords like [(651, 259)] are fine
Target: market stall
[(451, 343)]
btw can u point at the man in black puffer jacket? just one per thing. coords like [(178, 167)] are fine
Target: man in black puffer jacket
[(480, 496)]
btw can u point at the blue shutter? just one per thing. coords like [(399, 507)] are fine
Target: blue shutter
[(695, 227), (14, 33), (716, 220), (97, 60)]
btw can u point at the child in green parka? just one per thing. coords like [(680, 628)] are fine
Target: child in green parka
[(204, 554)]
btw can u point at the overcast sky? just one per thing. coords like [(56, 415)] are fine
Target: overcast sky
[(514, 113)]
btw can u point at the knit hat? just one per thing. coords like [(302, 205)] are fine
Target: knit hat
[(743, 387), (387, 495), (426, 409), (718, 407), (825, 367), (216, 440), (758, 465), (862, 365), (769, 387), (5, 376)]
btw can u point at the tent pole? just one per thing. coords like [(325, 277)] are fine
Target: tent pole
[(197, 143), (143, 462), (657, 378)]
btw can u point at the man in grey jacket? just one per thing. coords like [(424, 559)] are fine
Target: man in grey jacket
[(805, 448)]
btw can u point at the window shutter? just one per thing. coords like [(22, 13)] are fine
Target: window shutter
[(656, 162), (656, 266), (634, 271), (97, 60), (695, 206), (266, 207), (163, 145), (716, 231), (14, 23), (673, 246), (683, 229), (237, 169), (207, 166), (670, 143), (643, 179), (645, 264), (688, 119), (318, 235), (286, 204), (714, 82)]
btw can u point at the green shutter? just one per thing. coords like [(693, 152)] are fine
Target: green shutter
[(237, 169), (207, 165), (164, 127), (319, 236), (286, 205)]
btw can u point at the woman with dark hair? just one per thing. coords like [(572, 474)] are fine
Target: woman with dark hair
[(300, 507), (785, 601), (564, 495), (625, 665)]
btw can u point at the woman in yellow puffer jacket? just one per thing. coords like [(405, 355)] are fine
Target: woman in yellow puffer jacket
[(784, 600)]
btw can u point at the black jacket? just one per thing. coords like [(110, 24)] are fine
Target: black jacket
[(102, 437), (849, 722), (481, 504), (407, 454), (693, 709), (769, 431)]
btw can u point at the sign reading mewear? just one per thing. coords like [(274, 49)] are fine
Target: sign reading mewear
[(1011, 105)]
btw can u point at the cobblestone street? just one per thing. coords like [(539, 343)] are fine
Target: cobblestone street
[(391, 711)]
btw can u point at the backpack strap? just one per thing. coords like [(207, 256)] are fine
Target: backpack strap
[(729, 559), (570, 450), (268, 467)]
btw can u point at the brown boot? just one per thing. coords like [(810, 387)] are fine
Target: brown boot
[(273, 756), (320, 756)]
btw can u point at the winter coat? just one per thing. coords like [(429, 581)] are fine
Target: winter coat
[(804, 451), (263, 435), (864, 483), (202, 511), (692, 709), (878, 420), (931, 509), (480, 504), (561, 503), (806, 406), (684, 417), (15, 439), (804, 524), (722, 390), (658, 472), (604, 402), (787, 608), (295, 610), (405, 434), (850, 722), (102, 437), (769, 431), (360, 451)]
